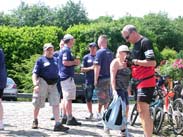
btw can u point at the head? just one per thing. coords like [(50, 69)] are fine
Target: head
[(122, 52), (61, 45), (92, 48), (130, 34), (48, 50), (102, 41), (68, 40)]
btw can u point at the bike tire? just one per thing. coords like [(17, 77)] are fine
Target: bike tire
[(133, 115), (158, 120), (177, 122), (178, 105)]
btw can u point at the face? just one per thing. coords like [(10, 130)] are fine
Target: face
[(128, 36), (123, 54), (71, 42), (49, 52), (61, 44), (93, 50)]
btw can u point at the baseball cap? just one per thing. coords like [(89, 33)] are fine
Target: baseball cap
[(47, 45), (93, 44), (67, 37), (123, 48)]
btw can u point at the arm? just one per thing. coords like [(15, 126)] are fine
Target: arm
[(145, 63), (96, 73), (86, 69), (35, 81), (113, 71), (71, 63)]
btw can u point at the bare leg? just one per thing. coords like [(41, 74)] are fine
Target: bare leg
[(147, 123), (56, 112)]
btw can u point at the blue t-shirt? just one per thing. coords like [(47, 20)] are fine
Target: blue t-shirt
[(3, 73), (88, 62), (46, 68), (104, 58), (65, 71)]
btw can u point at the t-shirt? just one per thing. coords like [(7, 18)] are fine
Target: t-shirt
[(3, 73), (143, 50), (88, 62), (65, 71), (46, 68), (104, 58)]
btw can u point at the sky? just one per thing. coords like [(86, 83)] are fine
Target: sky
[(115, 8)]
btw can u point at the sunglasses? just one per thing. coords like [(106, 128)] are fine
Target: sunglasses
[(128, 36)]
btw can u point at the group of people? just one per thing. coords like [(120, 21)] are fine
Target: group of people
[(103, 71)]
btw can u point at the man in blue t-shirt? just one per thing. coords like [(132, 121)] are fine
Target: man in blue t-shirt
[(66, 72), (88, 68), (45, 77), (3, 77), (102, 73)]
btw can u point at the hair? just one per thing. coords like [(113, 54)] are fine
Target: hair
[(129, 28)]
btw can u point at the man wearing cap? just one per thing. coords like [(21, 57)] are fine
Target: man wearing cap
[(88, 69), (3, 77), (45, 77), (143, 69), (102, 73), (66, 73)]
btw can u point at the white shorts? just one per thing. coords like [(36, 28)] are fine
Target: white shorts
[(68, 89)]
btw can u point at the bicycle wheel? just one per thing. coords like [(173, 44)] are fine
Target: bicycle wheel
[(158, 120), (133, 115), (178, 105), (152, 112), (177, 122)]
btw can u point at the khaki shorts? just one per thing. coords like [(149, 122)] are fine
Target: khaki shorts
[(46, 91), (68, 89), (103, 90)]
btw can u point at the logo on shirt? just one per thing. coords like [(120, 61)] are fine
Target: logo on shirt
[(89, 61), (46, 64)]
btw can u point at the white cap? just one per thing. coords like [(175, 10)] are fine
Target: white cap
[(47, 45), (123, 48), (67, 37)]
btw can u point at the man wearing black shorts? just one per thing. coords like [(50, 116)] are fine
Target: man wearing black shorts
[(143, 68)]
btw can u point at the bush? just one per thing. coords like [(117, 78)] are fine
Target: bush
[(168, 54)]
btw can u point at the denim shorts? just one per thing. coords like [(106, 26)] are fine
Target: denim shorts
[(89, 92)]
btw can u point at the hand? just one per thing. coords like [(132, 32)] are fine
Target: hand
[(36, 89), (77, 61), (115, 94)]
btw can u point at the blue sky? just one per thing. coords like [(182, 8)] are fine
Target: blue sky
[(116, 8)]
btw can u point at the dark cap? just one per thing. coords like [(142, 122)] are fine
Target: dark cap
[(93, 44)]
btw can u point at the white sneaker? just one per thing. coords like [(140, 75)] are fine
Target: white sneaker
[(1, 126), (98, 117), (106, 130)]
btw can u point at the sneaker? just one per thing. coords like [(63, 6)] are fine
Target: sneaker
[(90, 116), (60, 128), (35, 124), (63, 120), (73, 122), (123, 133), (106, 130), (98, 117), (1, 126), (52, 118)]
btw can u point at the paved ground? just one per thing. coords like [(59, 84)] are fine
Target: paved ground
[(18, 120)]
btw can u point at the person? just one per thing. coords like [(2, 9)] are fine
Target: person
[(45, 77), (102, 75), (66, 72), (56, 54), (143, 70), (3, 77), (88, 69), (120, 78)]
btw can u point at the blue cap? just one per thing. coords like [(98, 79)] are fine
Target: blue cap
[(93, 44)]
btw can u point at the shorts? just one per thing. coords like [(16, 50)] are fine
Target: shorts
[(124, 96), (46, 91), (89, 92), (145, 95), (1, 93), (68, 89), (103, 91)]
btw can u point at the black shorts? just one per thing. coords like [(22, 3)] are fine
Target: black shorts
[(1, 93), (145, 95)]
